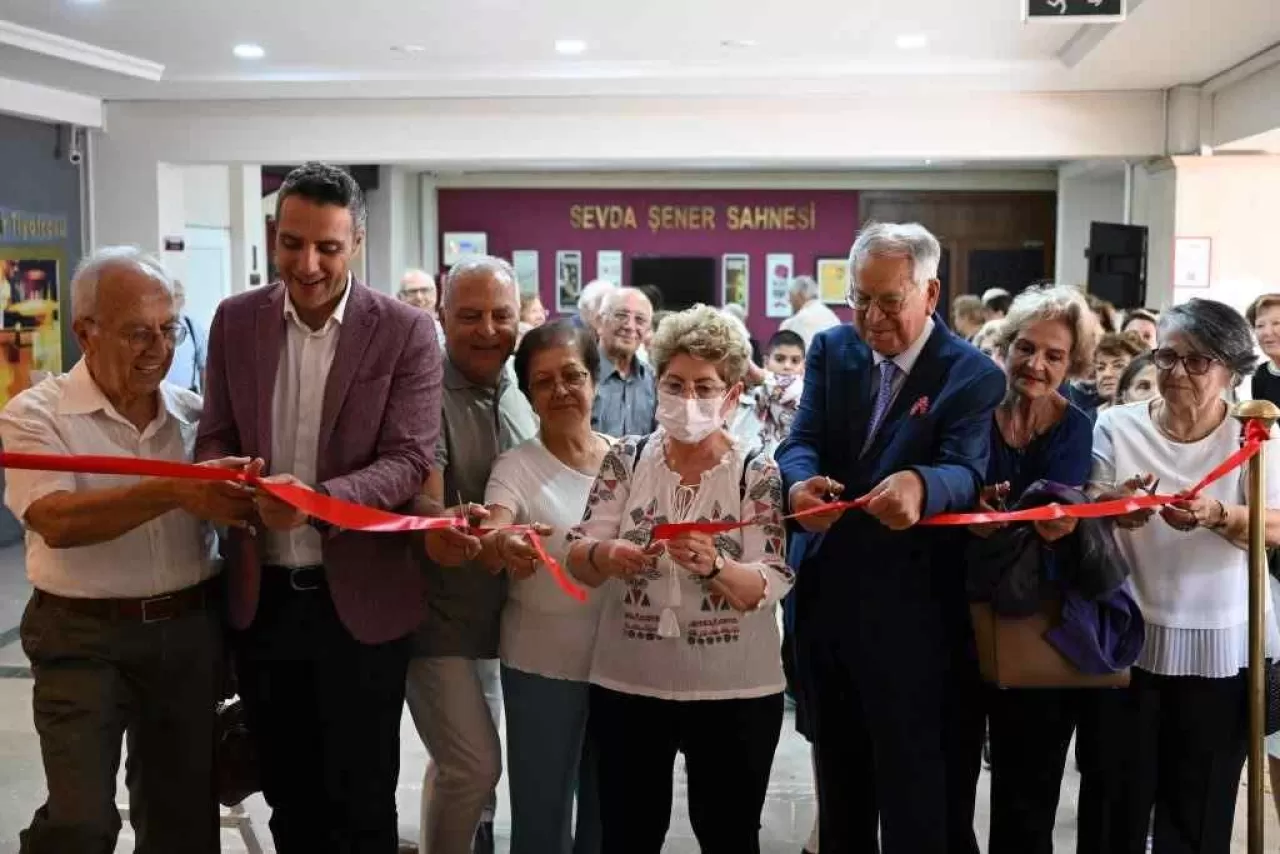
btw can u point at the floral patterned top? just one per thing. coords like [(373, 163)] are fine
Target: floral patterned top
[(664, 633)]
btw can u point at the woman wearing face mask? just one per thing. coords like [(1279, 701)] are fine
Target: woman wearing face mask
[(686, 656), (1037, 434)]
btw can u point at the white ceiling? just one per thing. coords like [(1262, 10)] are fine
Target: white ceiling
[(341, 48)]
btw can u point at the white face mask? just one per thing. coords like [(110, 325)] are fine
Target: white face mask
[(689, 420)]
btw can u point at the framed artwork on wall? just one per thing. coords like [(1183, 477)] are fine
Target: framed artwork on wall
[(460, 245), (735, 280), (833, 279), (525, 262), (778, 269), (568, 280), (609, 266)]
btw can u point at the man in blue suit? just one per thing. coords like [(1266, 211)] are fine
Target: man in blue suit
[(898, 409)]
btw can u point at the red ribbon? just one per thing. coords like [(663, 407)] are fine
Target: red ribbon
[(336, 512), (1255, 433)]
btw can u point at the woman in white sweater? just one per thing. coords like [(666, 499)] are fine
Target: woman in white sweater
[(687, 652), (1185, 727), (547, 637)]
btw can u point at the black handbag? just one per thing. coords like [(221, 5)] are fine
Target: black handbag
[(235, 761)]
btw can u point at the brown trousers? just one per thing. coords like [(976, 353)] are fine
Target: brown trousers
[(100, 681)]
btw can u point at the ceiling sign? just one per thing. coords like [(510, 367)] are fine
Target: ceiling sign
[(1074, 11)]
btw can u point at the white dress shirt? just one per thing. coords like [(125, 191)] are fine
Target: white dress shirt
[(812, 318), (69, 414), (306, 356), (906, 360)]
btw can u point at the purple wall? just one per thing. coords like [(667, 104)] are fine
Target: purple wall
[(541, 220)]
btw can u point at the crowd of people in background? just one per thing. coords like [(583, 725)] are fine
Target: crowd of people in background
[(463, 399)]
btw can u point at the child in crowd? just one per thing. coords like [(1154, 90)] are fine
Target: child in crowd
[(765, 414)]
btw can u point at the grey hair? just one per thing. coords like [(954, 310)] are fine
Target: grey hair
[(1219, 329), (593, 295), (908, 240), (1054, 302), (805, 285), (499, 268), (613, 296), (88, 274), (991, 329), (736, 311)]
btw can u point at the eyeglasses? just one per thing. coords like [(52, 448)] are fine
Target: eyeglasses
[(702, 391), (621, 317), (1195, 364), (141, 339), (571, 380), (891, 305)]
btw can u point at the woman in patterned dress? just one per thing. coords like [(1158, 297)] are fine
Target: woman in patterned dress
[(687, 650)]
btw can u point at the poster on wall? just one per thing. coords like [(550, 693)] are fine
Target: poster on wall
[(30, 338), (1192, 260), (833, 280), (525, 262), (778, 268), (568, 280), (735, 280), (609, 266), (460, 245)]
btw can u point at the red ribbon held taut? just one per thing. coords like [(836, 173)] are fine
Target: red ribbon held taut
[(336, 512), (1255, 433)]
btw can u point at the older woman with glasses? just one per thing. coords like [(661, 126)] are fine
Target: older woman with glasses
[(1037, 434), (687, 651), (1184, 727), (547, 638)]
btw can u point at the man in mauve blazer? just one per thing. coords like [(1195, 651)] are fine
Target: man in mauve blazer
[(883, 643), (335, 387)]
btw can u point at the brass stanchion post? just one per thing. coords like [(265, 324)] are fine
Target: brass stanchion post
[(1266, 412)]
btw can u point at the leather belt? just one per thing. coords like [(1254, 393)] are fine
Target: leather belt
[(299, 578), (154, 609)]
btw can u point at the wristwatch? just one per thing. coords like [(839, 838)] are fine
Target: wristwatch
[(717, 566)]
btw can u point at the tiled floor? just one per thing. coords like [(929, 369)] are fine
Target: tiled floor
[(787, 818)]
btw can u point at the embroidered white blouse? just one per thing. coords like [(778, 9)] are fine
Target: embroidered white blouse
[(664, 633)]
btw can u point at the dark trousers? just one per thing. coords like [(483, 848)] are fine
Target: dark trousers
[(728, 747), (324, 710), (898, 735), (1186, 740), (98, 681), (1030, 734)]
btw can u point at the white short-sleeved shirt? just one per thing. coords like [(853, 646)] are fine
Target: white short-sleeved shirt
[(1192, 586), (69, 414), (714, 652), (544, 631)]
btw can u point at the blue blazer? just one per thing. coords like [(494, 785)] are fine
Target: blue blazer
[(947, 445)]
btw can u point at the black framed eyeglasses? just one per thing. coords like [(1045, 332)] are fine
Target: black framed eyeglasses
[(1195, 364)]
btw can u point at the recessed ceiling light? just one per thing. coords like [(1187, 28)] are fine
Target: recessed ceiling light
[(570, 46), (249, 51), (739, 43), (928, 163), (912, 41), (408, 48)]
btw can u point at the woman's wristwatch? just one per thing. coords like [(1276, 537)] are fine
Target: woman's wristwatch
[(717, 566)]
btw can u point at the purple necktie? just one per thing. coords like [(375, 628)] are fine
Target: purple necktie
[(884, 394)]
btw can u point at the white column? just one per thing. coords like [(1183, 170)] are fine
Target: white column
[(248, 229), (429, 222), (1087, 193), (1154, 205)]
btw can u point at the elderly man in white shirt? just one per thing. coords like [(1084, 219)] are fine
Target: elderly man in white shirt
[(809, 314), (123, 628)]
